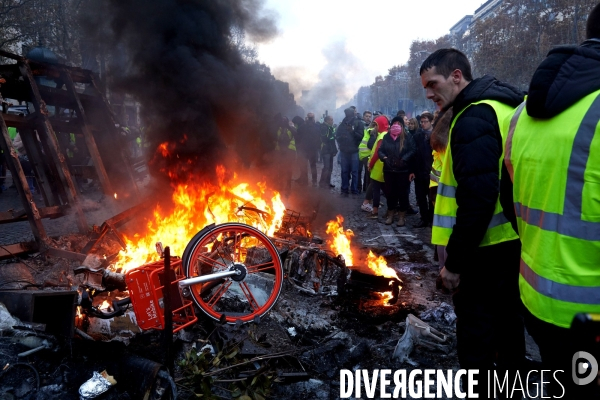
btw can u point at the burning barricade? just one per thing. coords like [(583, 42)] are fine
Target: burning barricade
[(234, 267)]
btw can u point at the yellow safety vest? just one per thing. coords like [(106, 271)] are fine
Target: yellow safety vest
[(499, 229), (377, 171), (363, 149), (291, 145), (555, 167), (436, 168)]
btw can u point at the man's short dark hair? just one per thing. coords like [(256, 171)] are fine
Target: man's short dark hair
[(592, 30), (367, 112), (447, 60), (427, 115), (401, 113)]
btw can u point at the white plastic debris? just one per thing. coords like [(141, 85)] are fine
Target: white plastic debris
[(7, 321), (417, 332), (292, 331), (208, 347), (99, 383)]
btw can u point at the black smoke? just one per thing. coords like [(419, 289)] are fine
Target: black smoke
[(183, 61)]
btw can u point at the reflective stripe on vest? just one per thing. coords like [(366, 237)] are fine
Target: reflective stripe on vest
[(434, 175), (555, 167), (499, 228), (589, 295), (363, 148), (436, 169)]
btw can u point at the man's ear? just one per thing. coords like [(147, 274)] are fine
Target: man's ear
[(457, 76)]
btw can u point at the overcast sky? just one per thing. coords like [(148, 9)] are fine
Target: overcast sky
[(376, 35)]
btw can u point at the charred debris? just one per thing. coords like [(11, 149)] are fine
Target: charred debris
[(72, 326)]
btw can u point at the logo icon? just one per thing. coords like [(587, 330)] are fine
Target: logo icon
[(584, 364)]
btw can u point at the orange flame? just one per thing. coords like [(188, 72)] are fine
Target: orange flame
[(340, 243), (197, 205), (385, 297), (379, 266)]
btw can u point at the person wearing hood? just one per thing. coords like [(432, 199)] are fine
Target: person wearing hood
[(482, 248), (396, 150), (348, 136), (375, 167), (553, 158)]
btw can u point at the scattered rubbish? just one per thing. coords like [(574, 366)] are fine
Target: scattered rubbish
[(409, 269), (99, 383), (443, 313), (417, 332), (313, 270), (292, 331)]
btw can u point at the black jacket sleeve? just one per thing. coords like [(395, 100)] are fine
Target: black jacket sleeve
[(359, 131), (372, 139), (410, 151), (476, 146), (381, 152)]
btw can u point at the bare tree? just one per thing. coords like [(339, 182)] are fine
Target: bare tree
[(511, 44), (10, 21)]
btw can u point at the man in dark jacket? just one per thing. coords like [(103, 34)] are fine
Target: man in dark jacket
[(423, 160), (482, 248), (348, 136), (328, 151), (306, 133), (308, 142)]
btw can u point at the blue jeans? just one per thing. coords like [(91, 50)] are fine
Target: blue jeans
[(349, 163)]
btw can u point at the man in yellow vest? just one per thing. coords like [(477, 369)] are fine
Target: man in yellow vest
[(483, 249), (553, 157)]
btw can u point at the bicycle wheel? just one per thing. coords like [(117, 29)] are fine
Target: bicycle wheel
[(228, 246)]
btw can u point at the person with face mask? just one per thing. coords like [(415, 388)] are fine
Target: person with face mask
[(396, 151)]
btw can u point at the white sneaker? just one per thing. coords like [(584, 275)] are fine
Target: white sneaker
[(366, 207)]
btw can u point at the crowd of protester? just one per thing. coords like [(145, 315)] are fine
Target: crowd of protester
[(379, 157)]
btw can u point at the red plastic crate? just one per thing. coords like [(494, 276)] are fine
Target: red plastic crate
[(146, 293)]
